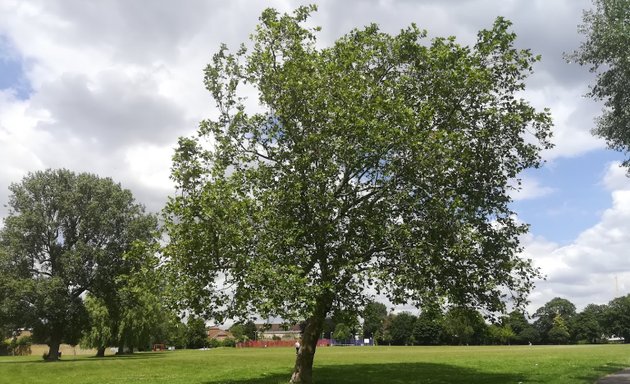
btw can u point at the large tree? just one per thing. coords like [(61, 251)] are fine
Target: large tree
[(464, 326), (589, 324), (429, 327), (617, 318), (382, 161), (70, 232), (605, 51), (546, 318), (524, 332), (374, 315), (401, 328)]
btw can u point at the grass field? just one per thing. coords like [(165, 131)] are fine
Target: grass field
[(354, 365)]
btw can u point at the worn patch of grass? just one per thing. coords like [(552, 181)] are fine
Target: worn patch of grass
[(353, 365)]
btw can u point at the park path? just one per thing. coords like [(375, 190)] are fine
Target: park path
[(621, 377)]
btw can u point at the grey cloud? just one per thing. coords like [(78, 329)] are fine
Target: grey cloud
[(144, 32), (549, 28), (115, 111), (137, 30)]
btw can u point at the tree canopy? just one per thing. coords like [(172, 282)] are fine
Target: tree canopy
[(67, 234), (605, 51), (374, 315), (383, 162), (555, 315)]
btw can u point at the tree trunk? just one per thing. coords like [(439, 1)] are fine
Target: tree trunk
[(121, 348), (303, 370), (53, 350), (100, 352)]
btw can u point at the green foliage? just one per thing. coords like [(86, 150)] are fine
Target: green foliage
[(197, 334), (429, 328), (605, 51), (238, 330), (546, 319), (464, 326), (175, 332), (524, 332), (342, 332), (4, 346), (250, 330), (588, 325), (328, 180), (501, 334), (214, 343), (16, 346), (347, 317), (134, 315), (67, 234), (100, 333), (14, 284), (617, 317), (244, 331), (401, 329), (559, 332), (374, 315), (229, 342), (529, 335), (383, 161)]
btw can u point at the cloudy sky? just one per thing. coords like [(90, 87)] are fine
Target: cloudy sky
[(108, 86)]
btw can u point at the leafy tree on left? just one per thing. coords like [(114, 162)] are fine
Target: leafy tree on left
[(67, 234)]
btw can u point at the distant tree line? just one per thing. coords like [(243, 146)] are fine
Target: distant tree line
[(556, 322)]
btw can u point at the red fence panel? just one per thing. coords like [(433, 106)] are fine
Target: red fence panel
[(276, 343)]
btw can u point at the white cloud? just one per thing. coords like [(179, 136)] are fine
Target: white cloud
[(115, 83), (595, 267), (616, 177), (573, 117), (531, 189)]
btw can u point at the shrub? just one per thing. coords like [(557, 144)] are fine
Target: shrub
[(214, 343), (23, 346), (229, 342), (4, 347), (17, 347)]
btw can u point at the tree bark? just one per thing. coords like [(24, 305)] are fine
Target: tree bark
[(53, 347), (303, 370), (121, 348), (100, 352)]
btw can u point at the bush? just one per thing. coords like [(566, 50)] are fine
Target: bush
[(229, 342), (4, 347), (214, 343), (19, 347), (23, 346)]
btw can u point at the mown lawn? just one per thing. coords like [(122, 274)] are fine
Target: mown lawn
[(354, 365)]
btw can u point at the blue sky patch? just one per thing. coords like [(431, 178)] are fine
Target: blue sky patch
[(578, 200), (12, 71)]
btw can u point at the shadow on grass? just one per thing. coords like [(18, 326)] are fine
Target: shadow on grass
[(390, 373), (87, 359), (602, 371), (131, 356)]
